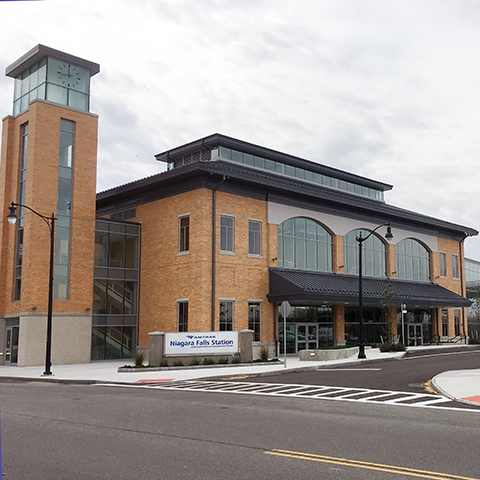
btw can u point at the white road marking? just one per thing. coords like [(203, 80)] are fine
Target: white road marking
[(360, 395)]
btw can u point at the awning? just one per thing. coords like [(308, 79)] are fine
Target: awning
[(304, 287)]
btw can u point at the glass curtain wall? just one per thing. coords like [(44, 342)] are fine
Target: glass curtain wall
[(412, 260), (115, 291), (375, 321), (64, 210), (304, 244), (374, 254)]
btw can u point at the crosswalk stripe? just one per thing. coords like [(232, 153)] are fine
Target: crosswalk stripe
[(361, 395)]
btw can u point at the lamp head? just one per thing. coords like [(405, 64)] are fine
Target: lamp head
[(12, 215), (389, 234)]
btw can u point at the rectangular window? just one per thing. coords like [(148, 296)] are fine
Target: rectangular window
[(226, 315), (254, 320), (182, 315), (443, 264), (227, 233), (254, 237), (455, 266), (184, 234), (64, 209), (444, 322), (21, 212), (456, 316)]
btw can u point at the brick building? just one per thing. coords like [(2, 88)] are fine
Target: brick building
[(216, 242)]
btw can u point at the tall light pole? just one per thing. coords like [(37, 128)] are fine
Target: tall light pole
[(361, 324), (50, 221)]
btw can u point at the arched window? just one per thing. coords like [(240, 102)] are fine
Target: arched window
[(412, 260), (304, 244), (374, 254)]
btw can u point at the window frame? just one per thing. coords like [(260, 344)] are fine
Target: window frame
[(455, 266), (442, 264), (230, 320), (456, 321), (257, 322), (444, 322), (182, 315), (227, 235), (256, 241), (183, 235)]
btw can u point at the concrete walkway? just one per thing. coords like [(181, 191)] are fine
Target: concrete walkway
[(463, 385)]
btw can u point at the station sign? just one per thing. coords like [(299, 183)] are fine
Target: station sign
[(201, 343)]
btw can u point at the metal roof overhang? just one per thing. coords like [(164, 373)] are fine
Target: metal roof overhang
[(300, 287)]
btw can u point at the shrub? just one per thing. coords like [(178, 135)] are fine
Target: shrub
[(392, 347), (208, 361), (139, 358), (223, 361), (164, 364), (263, 353), (474, 341), (178, 363), (195, 361), (236, 359)]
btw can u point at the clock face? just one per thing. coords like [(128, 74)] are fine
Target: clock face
[(69, 75)]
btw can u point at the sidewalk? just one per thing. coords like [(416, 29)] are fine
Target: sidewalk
[(463, 385)]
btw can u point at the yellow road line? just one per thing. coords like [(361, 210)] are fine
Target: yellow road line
[(367, 465)]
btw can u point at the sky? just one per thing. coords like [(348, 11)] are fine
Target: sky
[(383, 89)]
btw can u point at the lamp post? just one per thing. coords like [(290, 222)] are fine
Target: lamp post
[(360, 240), (50, 221)]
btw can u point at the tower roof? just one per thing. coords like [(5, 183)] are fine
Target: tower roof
[(40, 51)]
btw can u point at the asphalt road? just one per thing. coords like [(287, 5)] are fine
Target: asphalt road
[(58, 432), (409, 374)]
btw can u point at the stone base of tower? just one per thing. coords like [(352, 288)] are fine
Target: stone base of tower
[(71, 339)]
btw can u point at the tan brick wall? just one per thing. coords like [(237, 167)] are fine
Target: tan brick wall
[(449, 247), (338, 265), (41, 195), (237, 276)]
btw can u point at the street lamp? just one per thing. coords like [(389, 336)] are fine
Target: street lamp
[(360, 240), (50, 221)]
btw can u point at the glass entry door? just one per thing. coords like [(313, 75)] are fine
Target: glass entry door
[(415, 334), (307, 336), (11, 345)]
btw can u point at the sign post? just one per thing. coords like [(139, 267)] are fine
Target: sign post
[(404, 310), (285, 310)]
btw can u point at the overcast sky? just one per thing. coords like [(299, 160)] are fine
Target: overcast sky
[(387, 89)]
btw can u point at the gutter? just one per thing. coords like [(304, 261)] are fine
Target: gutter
[(214, 243)]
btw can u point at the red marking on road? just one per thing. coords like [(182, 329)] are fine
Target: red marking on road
[(475, 398), (156, 381)]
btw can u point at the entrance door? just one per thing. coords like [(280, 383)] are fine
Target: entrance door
[(307, 336), (11, 345), (415, 335)]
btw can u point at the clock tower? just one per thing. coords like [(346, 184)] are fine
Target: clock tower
[(48, 163)]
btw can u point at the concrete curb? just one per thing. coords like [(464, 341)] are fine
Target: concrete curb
[(443, 392), (195, 367)]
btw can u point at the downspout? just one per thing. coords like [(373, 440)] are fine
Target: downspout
[(462, 286), (214, 243)]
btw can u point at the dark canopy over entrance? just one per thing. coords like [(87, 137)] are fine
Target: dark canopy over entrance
[(307, 287)]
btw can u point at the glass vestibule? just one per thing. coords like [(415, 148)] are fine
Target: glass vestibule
[(115, 290), (307, 327)]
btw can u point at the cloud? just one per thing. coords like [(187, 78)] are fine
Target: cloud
[(387, 90)]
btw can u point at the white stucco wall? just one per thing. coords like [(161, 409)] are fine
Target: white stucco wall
[(278, 213)]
